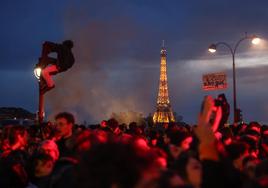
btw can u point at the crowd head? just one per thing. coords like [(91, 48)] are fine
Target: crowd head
[(64, 154)]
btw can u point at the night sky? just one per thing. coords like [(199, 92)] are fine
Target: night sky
[(117, 51)]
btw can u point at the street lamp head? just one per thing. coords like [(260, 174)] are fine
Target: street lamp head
[(212, 48), (37, 72), (255, 40)]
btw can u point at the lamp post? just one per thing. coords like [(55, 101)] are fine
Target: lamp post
[(37, 73), (213, 48)]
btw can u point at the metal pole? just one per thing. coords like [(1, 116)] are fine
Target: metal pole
[(233, 52), (41, 105), (234, 88)]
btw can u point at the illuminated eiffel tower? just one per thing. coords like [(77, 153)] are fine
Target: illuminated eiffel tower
[(163, 112)]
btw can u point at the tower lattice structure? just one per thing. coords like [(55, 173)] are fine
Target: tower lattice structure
[(163, 112)]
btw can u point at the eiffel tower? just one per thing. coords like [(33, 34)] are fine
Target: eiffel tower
[(163, 112)]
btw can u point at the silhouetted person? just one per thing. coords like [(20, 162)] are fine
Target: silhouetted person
[(52, 66), (225, 110)]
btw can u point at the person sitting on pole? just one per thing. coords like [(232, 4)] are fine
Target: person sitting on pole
[(52, 66)]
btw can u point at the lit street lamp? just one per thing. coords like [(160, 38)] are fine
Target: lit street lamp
[(37, 73), (213, 48)]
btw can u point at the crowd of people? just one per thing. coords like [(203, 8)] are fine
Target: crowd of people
[(110, 155)]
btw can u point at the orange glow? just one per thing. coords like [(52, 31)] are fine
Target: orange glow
[(164, 112)]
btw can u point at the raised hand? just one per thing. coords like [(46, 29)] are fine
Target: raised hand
[(204, 131)]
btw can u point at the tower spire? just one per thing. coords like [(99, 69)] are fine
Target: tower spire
[(163, 49), (163, 112)]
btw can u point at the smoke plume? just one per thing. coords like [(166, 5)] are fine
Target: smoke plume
[(98, 85)]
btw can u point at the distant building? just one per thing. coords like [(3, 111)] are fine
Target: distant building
[(15, 113)]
